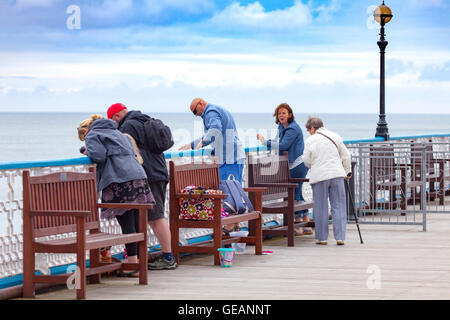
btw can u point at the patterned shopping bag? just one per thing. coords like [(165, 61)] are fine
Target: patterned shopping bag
[(199, 208)]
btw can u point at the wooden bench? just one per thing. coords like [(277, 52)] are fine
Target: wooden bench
[(207, 176), (434, 169), (66, 202), (272, 172), (384, 179)]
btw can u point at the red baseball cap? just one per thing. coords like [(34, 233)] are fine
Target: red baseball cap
[(114, 108)]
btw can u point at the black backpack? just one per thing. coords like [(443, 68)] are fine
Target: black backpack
[(158, 136)]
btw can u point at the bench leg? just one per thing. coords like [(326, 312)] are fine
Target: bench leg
[(289, 221), (143, 258), (28, 273), (255, 230), (289, 217), (81, 263), (94, 261), (441, 184), (403, 200), (290, 228), (81, 257), (217, 242), (258, 235), (175, 239)]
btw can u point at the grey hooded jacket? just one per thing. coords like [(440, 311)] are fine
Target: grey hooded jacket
[(113, 153)]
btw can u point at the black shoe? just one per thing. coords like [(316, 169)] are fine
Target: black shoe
[(162, 263)]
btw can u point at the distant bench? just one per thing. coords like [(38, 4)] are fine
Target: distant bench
[(272, 172)]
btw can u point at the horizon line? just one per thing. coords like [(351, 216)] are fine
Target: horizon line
[(173, 112)]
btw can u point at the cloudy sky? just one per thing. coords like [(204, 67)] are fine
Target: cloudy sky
[(249, 56)]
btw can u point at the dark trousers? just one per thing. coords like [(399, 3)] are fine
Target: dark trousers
[(129, 222)]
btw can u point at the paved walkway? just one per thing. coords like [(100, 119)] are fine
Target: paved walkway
[(395, 262)]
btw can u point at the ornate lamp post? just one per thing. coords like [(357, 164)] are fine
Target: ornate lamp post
[(382, 15)]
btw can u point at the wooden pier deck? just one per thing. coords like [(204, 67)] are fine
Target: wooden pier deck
[(410, 263)]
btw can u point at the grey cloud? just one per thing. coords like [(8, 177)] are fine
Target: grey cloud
[(393, 67), (436, 72), (305, 98), (254, 17), (325, 13), (398, 66), (432, 72), (17, 77), (27, 14)]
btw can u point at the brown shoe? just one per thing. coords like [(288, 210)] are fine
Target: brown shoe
[(105, 255)]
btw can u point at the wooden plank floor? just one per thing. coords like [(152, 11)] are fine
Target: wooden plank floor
[(411, 264)]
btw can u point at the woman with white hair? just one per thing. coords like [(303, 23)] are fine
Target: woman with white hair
[(329, 162)]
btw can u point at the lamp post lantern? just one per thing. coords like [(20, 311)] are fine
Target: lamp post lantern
[(382, 15)]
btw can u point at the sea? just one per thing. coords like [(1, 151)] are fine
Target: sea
[(53, 136)]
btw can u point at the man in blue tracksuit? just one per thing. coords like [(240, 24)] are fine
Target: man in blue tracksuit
[(219, 131)]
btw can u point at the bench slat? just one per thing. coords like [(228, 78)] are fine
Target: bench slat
[(298, 205), (93, 241)]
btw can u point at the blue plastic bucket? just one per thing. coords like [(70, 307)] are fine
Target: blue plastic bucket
[(226, 257)]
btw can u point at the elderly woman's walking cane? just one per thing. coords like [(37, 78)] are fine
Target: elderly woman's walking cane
[(347, 186)]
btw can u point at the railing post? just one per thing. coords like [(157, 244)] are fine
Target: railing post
[(423, 191), (360, 175)]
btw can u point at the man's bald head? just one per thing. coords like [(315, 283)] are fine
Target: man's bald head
[(198, 105)]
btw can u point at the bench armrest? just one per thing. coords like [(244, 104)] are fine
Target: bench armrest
[(255, 195), (197, 195), (282, 185), (440, 161), (125, 205), (298, 180), (55, 213), (255, 190)]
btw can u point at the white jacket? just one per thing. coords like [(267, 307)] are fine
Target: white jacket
[(324, 159)]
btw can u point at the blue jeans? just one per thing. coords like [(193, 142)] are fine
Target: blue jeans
[(235, 169), (299, 171)]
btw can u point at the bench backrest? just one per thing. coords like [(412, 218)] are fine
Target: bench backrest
[(59, 191), (416, 157), (269, 169), (382, 163), (205, 175)]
